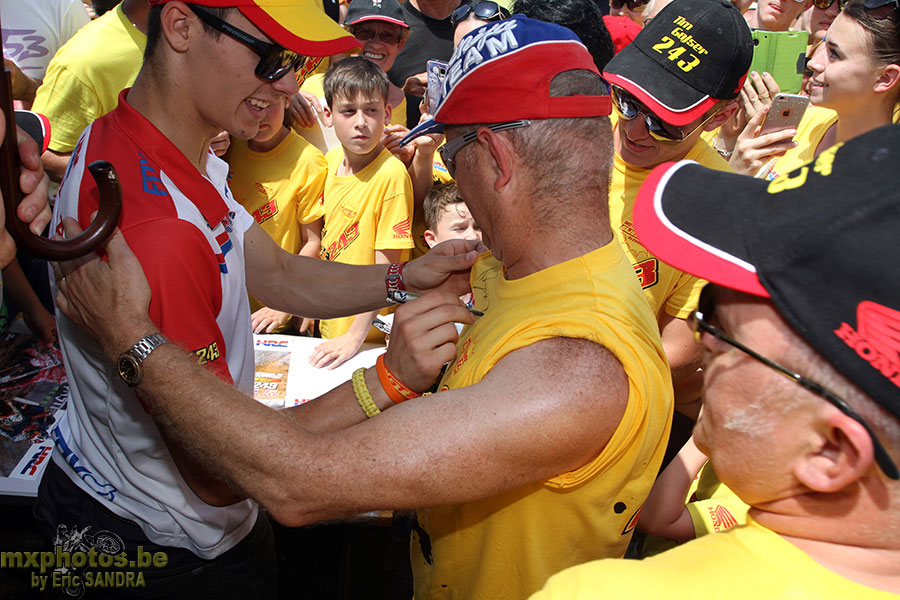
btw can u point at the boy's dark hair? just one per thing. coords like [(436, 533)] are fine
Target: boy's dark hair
[(354, 76), (154, 26), (436, 202), (583, 17)]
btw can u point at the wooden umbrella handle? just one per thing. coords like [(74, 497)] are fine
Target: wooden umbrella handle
[(104, 174)]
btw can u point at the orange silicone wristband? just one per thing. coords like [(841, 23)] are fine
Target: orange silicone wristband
[(396, 390)]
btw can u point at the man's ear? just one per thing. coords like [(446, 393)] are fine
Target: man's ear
[(501, 151), (844, 455), (179, 24), (326, 116), (723, 115)]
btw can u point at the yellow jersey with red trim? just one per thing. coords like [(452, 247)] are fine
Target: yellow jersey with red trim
[(364, 212), (748, 562), (666, 288), (505, 546), (281, 188)]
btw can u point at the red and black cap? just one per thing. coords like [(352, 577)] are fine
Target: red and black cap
[(300, 26), (691, 55), (361, 11), (819, 241)]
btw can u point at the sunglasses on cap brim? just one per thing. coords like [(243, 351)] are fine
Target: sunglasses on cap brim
[(633, 5), (485, 11)]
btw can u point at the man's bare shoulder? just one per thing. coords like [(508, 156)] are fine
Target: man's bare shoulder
[(574, 364)]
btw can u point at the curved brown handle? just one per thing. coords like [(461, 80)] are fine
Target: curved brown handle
[(99, 230), (103, 172)]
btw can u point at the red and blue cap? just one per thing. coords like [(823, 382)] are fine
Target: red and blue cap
[(502, 72)]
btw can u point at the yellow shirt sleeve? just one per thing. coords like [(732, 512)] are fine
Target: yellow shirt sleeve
[(309, 194), (69, 103), (393, 222)]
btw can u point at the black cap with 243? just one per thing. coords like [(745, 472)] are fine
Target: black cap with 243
[(691, 55)]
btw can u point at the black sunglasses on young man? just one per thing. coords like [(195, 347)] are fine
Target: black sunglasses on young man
[(486, 11), (825, 4), (700, 320), (274, 61), (628, 107)]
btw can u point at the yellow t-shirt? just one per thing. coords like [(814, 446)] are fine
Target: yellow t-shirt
[(365, 212), (85, 77), (748, 562), (505, 546), (815, 123), (667, 289), (713, 507), (281, 188)]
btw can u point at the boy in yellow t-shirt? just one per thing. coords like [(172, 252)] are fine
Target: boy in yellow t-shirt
[(279, 177), (368, 198)]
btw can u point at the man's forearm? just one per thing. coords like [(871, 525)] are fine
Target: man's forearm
[(210, 419), (324, 289)]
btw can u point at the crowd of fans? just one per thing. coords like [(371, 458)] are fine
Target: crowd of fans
[(648, 253)]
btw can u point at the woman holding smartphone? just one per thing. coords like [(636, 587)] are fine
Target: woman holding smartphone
[(855, 72)]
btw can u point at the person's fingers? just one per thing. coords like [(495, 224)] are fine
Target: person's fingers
[(758, 86), (750, 90), (415, 85), (71, 229), (29, 153), (34, 208), (301, 111), (312, 101), (771, 86), (755, 124), (774, 137)]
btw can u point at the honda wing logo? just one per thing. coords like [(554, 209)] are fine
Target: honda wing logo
[(876, 339)]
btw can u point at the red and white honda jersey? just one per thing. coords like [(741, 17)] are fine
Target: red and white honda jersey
[(188, 233)]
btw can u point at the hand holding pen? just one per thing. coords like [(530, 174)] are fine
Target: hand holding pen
[(423, 337)]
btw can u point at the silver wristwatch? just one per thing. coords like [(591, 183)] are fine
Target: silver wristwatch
[(130, 363)]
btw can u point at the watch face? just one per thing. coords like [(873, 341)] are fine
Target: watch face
[(129, 369)]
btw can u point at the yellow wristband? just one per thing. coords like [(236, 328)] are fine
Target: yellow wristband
[(361, 391)]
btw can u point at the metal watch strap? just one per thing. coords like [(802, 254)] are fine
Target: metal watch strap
[(130, 362), (393, 281), (147, 344)]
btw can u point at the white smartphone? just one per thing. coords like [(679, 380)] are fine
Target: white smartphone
[(436, 71), (785, 113)]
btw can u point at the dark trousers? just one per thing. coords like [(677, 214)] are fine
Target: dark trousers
[(63, 511)]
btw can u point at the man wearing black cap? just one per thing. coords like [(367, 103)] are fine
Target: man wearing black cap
[(551, 420), (678, 78), (801, 414)]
